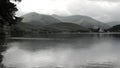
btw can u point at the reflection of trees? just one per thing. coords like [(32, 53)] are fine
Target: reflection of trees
[(115, 35)]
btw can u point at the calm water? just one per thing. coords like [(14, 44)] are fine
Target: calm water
[(64, 51)]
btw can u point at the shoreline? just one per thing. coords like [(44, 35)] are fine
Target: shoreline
[(55, 38)]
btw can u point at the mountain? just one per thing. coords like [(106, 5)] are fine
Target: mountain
[(32, 28), (26, 26), (27, 30), (115, 28), (39, 19), (67, 27), (24, 29), (113, 23), (84, 21)]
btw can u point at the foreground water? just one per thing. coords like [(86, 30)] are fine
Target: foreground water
[(64, 51)]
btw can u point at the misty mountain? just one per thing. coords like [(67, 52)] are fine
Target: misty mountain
[(24, 30), (26, 26), (39, 19), (84, 21), (67, 27), (115, 28), (113, 23), (32, 28), (27, 30)]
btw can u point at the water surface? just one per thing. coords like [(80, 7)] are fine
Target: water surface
[(64, 51)]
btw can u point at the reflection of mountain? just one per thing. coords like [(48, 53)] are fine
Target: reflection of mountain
[(39, 19), (100, 65), (84, 21)]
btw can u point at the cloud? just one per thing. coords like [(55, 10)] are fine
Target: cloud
[(107, 0), (102, 10)]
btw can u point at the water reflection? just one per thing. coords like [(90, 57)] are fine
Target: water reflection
[(77, 51), (2, 47)]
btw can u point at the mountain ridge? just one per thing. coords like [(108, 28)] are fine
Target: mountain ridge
[(84, 21), (67, 27), (39, 19)]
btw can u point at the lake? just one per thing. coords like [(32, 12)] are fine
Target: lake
[(64, 51)]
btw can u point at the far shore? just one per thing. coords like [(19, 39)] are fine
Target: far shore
[(41, 38)]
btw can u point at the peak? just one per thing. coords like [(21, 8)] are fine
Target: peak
[(69, 15), (31, 14), (34, 13)]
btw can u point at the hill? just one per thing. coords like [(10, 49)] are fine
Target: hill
[(67, 27), (84, 21), (39, 19), (24, 30), (115, 28)]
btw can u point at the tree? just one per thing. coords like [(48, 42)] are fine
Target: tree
[(115, 28), (7, 11), (7, 16)]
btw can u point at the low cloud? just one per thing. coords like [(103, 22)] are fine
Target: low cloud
[(107, 0), (102, 10)]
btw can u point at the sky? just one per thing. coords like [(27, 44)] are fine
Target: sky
[(102, 10)]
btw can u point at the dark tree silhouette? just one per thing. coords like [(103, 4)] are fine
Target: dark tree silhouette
[(115, 28), (7, 11), (7, 17)]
